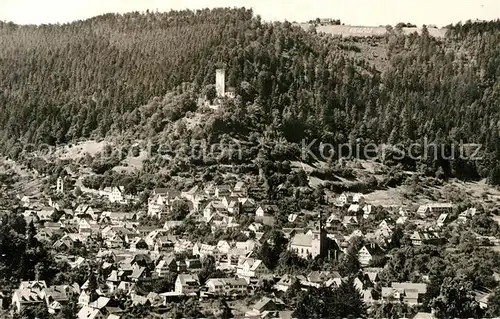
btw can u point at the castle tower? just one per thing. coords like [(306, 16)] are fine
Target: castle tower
[(60, 185), (220, 82)]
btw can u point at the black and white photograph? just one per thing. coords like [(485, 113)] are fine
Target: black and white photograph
[(252, 159)]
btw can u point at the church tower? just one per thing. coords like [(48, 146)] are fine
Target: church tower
[(319, 238)]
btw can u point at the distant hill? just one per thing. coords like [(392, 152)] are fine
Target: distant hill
[(140, 75)]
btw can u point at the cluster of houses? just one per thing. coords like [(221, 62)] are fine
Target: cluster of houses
[(130, 252), (218, 204), (37, 292)]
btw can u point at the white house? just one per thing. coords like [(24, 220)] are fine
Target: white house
[(117, 194), (165, 266), (187, 284), (434, 208), (344, 199), (204, 250), (60, 185), (367, 210), (227, 286), (90, 313), (28, 294), (368, 252), (250, 268), (332, 220), (442, 220)]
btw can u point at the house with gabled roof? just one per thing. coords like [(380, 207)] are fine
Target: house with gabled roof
[(247, 205), (221, 221), (56, 297), (350, 221), (165, 265), (250, 267), (285, 282), (223, 246), (354, 208), (139, 243), (156, 205), (222, 191), (232, 204), (435, 209), (26, 201), (368, 252), (317, 278), (193, 265), (344, 198), (28, 294), (154, 299), (370, 276), (114, 279), (204, 250), (255, 227), (212, 208), (266, 210), (82, 211), (466, 215), (419, 238), (247, 245), (115, 242), (332, 220), (367, 211), (442, 220), (191, 194), (138, 273), (45, 234), (69, 241), (401, 220), (117, 194), (227, 286), (106, 305), (209, 190), (183, 245), (30, 216), (334, 281), (87, 312), (264, 305), (292, 218), (187, 284), (163, 244), (409, 293), (239, 190), (45, 214)]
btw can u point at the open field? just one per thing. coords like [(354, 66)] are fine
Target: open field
[(79, 150), (131, 163), (474, 191), (367, 31)]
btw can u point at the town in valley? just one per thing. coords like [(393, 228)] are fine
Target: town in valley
[(165, 165)]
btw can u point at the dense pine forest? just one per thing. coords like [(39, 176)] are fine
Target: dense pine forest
[(137, 74)]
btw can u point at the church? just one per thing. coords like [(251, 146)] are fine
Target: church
[(314, 243)]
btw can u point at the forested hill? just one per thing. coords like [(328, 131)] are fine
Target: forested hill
[(110, 74)]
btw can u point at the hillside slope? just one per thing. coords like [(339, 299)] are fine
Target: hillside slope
[(137, 75)]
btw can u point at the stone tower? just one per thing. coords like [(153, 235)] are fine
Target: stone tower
[(60, 185), (220, 82)]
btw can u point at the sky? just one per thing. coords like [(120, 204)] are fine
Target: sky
[(353, 12)]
